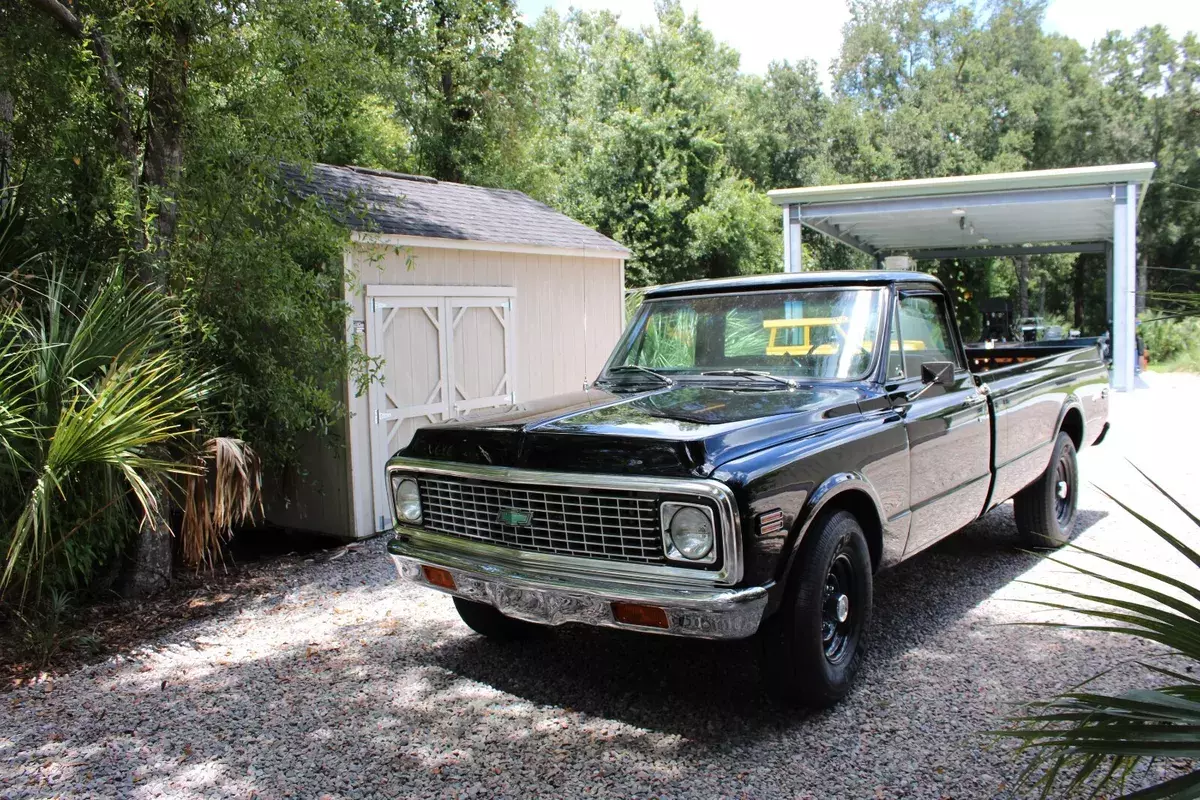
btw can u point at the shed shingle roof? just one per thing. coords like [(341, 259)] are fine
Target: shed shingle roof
[(387, 202)]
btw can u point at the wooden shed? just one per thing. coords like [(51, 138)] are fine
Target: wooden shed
[(472, 298)]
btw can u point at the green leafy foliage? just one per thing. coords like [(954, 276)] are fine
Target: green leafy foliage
[(94, 395), (1170, 338), (650, 129), (1091, 740)]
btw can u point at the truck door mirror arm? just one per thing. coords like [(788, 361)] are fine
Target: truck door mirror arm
[(933, 373)]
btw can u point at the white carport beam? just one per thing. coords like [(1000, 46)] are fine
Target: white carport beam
[(862, 208), (1124, 257), (999, 252)]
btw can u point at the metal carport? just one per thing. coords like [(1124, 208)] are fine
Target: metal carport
[(1077, 210)]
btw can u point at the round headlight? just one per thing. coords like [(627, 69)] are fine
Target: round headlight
[(407, 498), (692, 533)]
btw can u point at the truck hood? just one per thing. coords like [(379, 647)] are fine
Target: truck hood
[(682, 430)]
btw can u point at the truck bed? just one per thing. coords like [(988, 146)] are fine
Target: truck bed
[(983, 359), (1030, 387)]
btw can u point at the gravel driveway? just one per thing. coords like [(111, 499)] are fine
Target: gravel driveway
[(344, 683)]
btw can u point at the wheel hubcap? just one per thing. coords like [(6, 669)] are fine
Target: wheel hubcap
[(1062, 490), (842, 609), (837, 618)]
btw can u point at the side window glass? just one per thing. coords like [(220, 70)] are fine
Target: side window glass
[(895, 359), (926, 330)]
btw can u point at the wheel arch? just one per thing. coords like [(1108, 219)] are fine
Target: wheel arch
[(846, 491), (1071, 422)]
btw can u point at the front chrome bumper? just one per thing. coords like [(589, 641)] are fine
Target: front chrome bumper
[(556, 598)]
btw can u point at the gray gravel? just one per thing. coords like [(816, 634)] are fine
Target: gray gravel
[(345, 684)]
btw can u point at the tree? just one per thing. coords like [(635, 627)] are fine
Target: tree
[(651, 129), (153, 136)]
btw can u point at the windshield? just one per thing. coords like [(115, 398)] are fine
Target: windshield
[(826, 334)]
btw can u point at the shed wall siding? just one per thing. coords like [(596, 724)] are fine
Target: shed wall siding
[(557, 297)]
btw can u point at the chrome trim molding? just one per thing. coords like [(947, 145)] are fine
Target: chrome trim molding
[(720, 495), (715, 614)]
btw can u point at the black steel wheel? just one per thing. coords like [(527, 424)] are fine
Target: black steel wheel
[(1064, 492), (812, 648), (488, 621), (837, 622), (1046, 509)]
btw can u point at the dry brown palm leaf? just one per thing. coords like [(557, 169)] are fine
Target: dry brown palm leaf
[(226, 492)]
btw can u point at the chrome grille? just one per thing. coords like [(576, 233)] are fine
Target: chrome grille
[(577, 522)]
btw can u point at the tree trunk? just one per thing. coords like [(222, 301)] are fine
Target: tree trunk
[(6, 136), (151, 560), (1022, 263), (152, 189), (163, 160)]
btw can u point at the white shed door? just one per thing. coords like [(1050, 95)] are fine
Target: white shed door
[(480, 353), (443, 357)]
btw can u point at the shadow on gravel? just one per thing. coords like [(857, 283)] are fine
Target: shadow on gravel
[(645, 680), (395, 707)]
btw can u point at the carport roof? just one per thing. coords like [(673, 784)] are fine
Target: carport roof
[(971, 214)]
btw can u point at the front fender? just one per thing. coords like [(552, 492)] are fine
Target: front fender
[(827, 492), (863, 464)]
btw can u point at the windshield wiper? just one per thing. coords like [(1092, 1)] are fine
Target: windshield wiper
[(644, 370), (753, 373)]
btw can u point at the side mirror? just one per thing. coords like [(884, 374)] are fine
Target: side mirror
[(937, 372)]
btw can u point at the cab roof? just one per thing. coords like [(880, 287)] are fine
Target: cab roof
[(788, 280)]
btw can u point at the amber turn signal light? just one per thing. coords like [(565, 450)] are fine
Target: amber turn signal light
[(635, 614), (437, 576)]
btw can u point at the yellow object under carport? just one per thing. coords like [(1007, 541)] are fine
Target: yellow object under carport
[(805, 347)]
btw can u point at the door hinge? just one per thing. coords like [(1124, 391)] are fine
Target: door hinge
[(380, 416), (383, 523)]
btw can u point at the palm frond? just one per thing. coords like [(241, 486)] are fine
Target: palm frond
[(120, 423), (17, 428), (91, 391), (225, 490), (1081, 739)]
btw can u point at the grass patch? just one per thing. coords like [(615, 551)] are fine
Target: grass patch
[(1182, 362)]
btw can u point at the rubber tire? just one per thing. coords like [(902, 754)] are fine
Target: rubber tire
[(1034, 506), (794, 665), (488, 621)]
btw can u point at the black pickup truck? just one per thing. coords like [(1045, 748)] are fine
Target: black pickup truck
[(755, 450)]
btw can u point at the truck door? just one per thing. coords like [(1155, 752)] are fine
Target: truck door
[(949, 432)]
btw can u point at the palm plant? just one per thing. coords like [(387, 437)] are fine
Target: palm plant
[(93, 396), (98, 412), (1091, 739)]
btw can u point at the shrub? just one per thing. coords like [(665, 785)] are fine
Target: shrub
[(93, 395), (98, 412), (1171, 338)]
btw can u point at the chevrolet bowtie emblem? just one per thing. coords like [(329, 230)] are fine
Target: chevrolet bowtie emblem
[(516, 517)]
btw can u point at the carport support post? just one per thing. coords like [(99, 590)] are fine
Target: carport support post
[(1124, 286), (792, 254)]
